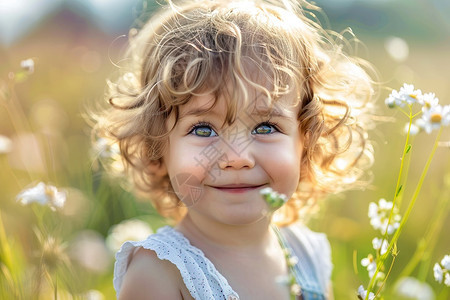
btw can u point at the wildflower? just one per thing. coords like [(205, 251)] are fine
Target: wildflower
[(438, 272), (5, 144), (406, 95), (105, 149), (27, 65), (296, 289), (52, 253), (428, 100), (292, 261), (273, 199), (380, 244), (445, 262), (370, 264), (434, 117), (442, 271), (362, 293), (379, 216), (44, 195), (414, 130), (109, 155), (127, 230), (411, 288)]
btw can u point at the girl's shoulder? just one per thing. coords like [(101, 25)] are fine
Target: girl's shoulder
[(130, 252), (170, 250), (148, 276), (139, 270)]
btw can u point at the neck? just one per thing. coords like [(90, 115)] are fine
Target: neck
[(225, 236)]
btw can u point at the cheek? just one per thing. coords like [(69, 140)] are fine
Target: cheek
[(284, 165), (187, 187), (186, 173)]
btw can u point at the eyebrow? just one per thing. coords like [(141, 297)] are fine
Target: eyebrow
[(256, 112), (269, 112), (197, 111)]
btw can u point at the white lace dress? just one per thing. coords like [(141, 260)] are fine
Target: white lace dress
[(204, 281)]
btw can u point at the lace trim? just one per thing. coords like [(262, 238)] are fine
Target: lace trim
[(165, 243)]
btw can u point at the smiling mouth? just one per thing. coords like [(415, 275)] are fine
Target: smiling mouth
[(237, 188)]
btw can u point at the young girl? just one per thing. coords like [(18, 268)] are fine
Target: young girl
[(222, 100)]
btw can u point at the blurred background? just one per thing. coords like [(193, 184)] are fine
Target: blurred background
[(75, 47)]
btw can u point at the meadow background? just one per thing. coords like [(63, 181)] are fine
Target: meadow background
[(75, 46)]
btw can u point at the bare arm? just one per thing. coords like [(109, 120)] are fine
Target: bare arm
[(148, 278)]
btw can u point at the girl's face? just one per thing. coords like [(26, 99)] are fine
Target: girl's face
[(217, 170)]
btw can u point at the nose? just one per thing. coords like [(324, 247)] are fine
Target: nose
[(237, 155)]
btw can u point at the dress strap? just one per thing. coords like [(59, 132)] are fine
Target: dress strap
[(304, 270)]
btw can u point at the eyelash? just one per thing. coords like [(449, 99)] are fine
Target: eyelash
[(200, 124), (269, 123)]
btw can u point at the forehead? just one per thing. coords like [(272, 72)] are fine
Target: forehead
[(251, 103)]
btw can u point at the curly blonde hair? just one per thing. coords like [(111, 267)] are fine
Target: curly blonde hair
[(193, 47)]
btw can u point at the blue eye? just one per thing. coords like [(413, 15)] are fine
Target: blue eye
[(264, 128), (203, 130)]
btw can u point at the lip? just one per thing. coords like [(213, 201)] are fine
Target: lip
[(238, 188)]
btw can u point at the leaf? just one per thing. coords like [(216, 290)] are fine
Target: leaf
[(399, 190), (408, 148)]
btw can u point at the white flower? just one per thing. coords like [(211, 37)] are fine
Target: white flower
[(109, 154), (27, 65), (414, 130), (106, 149), (266, 191), (411, 288), (406, 95), (370, 263), (362, 293), (442, 271), (296, 289), (438, 272), (380, 244), (5, 144), (292, 260), (379, 216), (434, 117), (128, 230), (390, 101), (273, 198), (428, 100), (44, 195), (445, 262)]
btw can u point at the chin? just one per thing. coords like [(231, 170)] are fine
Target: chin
[(245, 217)]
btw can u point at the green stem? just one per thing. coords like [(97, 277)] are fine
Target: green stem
[(397, 233), (387, 275), (402, 163), (416, 192), (380, 261)]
